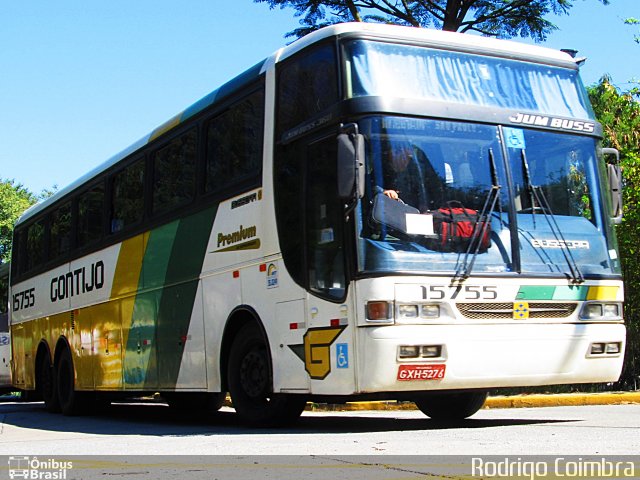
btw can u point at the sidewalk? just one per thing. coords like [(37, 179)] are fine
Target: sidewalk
[(515, 401)]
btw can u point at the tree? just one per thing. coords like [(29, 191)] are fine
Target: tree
[(633, 21), (14, 200), (497, 18), (619, 113)]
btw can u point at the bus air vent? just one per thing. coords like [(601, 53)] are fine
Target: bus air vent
[(490, 311)]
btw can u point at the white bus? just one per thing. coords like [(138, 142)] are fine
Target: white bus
[(5, 342), (373, 212)]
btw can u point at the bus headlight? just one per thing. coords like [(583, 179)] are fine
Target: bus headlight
[(408, 311), (413, 312), (430, 311), (601, 311)]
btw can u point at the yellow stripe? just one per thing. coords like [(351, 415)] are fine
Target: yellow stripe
[(165, 127), (127, 278), (127, 274), (99, 364), (603, 293)]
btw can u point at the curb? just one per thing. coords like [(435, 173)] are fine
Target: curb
[(516, 401)]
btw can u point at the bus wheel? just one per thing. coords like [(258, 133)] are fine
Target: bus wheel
[(250, 385), (68, 396), (46, 384), (451, 406)]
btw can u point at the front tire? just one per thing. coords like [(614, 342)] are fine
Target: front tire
[(250, 383), (451, 406)]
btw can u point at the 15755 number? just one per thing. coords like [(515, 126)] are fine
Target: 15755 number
[(466, 292), (24, 299)]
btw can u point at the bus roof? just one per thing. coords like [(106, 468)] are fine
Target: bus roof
[(437, 39), (427, 37)]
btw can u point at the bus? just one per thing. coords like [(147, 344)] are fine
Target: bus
[(5, 342), (373, 212)]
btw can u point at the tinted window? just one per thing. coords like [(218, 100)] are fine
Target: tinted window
[(307, 86), (234, 143), (60, 237), (174, 168), (35, 245), (127, 203), (324, 220), (287, 173), (90, 215)]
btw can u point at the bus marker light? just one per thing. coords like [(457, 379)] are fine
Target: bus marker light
[(263, 267), (335, 322), (378, 310), (295, 326), (236, 273)]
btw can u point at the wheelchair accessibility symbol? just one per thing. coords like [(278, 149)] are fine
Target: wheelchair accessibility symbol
[(342, 355)]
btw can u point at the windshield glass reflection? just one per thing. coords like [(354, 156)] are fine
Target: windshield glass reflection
[(438, 198)]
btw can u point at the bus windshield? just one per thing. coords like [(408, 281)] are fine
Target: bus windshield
[(392, 70), (425, 175)]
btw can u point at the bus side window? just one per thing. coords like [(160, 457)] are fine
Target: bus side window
[(306, 87), (60, 234), (174, 173), (90, 215), (35, 252), (127, 202), (234, 143)]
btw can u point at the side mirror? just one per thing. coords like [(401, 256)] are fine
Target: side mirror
[(614, 174), (350, 164)]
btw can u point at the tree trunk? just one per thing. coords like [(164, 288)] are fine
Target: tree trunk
[(452, 20)]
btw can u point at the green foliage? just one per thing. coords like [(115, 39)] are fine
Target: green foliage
[(633, 21), (14, 199), (496, 18), (619, 113)]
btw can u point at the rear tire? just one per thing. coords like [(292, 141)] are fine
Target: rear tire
[(451, 406), (70, 399), (46, 384), (251, 386)]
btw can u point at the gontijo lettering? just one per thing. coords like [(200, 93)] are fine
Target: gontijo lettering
[(81, 280)]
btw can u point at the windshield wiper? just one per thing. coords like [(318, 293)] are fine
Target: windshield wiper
[(482, 226), (538, 197)]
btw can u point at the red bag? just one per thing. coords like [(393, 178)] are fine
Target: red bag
[(455, 227)]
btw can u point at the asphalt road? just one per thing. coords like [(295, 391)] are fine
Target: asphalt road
[(153, 429)]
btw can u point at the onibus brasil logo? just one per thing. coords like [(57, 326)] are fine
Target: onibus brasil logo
[(34, 468)]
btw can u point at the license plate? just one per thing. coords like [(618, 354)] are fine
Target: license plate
[(421, 372)]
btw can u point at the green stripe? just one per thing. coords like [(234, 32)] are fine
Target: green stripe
[(535, 292), (167, 288), (573, 292), (545, 292), (140, 366), (178, 296)]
